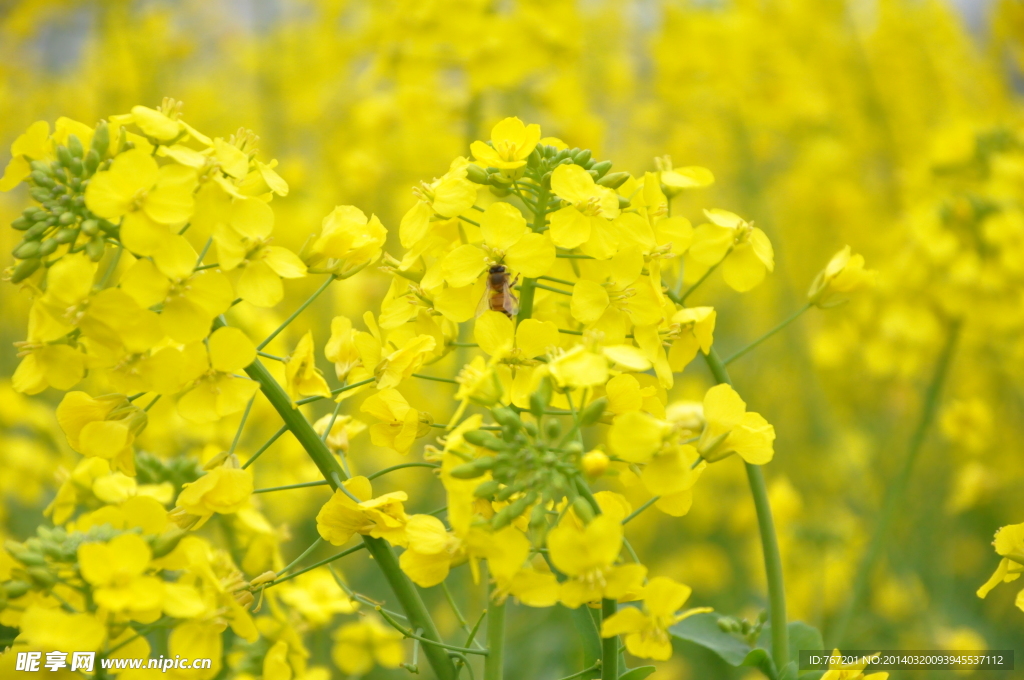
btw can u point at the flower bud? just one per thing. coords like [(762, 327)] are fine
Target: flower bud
[(21, 223), (581, 506), (42, 577), (473, 469), (614, 180), (75, 146), (582, 156), (26, 249), (94, 249), (65, 236), (487, 489), (540, 399), (48, 247), (64, 156), (16, 588), (41, 179), (601, 168), (595, 463), (552, 429), (25, 269), (484, 439), (91, 162), (101, 139), (40, 194), (506, 417), (593, 411), (476, 174)]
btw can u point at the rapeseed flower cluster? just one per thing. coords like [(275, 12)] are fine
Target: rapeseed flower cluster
[(159, 274)]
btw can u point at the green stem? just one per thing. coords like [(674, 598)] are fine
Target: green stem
[(495, 663), (316, 565), (305, 553), (400, 466), (382, 554), (422, 376), (241, 425), (793, 317), (898, 488), (609, 645), (302, 307), (769, 540), (430, 643), (267, 445), (528, 287), (651, 501), (579, 674), (711, 269), (303, 485)]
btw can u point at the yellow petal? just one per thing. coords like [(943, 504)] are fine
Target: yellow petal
[(464, 265), (502, 225), (493, 332), (589, 300), (231, 349), (568, 226), (532, 255)]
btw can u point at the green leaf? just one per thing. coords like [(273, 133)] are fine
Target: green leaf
[(789, 671), (801, 636), (811, 675), (703, 630), (637, 673), (760, 659)]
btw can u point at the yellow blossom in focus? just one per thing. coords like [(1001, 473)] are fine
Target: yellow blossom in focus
[(223, 490), (104, 427), (342, 517), (347, 242), (741, 250), (646, 630), (303, 377), (217, 392), (150, 198), (587, 555), (730, 428), (511, 142), (401, 424), (587, 220)]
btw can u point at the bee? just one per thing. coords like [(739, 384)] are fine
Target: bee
[(499, 297)]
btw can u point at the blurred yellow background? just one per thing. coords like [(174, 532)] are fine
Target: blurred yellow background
[(890, 125)]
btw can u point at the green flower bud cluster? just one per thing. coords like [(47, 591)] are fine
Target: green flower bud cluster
[(750, 631), (43, 556), (179, 471), (539, 166), (61, 219), (528, 464), (52, 555)]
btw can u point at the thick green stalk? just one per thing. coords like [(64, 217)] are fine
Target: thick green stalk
[(494, 664), (609, 645), (408, 596), (769, 540), (529, 286), (897, 490)]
